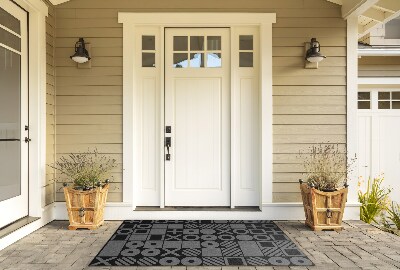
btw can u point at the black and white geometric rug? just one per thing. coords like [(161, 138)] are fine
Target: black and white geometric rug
[(199, 243)]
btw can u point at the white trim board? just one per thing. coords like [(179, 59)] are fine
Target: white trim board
[(352, 89), (379, 52), (192, 19), (270, 211), (378, 80), (132, 117)]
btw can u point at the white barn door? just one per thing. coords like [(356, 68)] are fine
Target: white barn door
[(379, 137), (197, 110)]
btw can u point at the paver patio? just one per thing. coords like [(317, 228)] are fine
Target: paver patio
[(358, 246)]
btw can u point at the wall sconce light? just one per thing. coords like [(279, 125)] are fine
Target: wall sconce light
[(313, 55), (81, 54)]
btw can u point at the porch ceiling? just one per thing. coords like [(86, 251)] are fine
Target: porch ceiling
[(371, 13)]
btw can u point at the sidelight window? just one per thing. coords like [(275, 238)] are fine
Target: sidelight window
[(148, 51)]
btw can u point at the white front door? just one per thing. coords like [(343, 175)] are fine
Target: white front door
[(379, 133), (13, 113), (197, 110)]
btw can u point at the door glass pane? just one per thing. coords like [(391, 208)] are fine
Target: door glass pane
[(196, 43), (148, 43), (245, 59), (180, 60), (396, 105), (396, 95), (10, 40), (213, 43), (214, 60), (10, 123), (383, 95), (9, 21), (197, 60), (364, 105), (364, 95), (148, 59), (180, 43), (383, 105), (245, 42)]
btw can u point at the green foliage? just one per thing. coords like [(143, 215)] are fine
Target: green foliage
[(374, 200), (85, 169), (393, 214), (326, 167)]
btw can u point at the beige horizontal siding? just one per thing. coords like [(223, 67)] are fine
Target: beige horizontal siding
[(379, 66), (309, 104)]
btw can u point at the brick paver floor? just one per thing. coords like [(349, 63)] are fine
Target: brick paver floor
[(358, 246)]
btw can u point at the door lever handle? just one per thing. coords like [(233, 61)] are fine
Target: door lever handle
[(168, 145)]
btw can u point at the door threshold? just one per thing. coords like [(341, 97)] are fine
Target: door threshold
[(9, 229), (205, 208)]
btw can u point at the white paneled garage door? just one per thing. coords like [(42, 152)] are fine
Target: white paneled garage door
[(379, 136)]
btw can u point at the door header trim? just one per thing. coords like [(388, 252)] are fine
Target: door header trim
[(196, 19)]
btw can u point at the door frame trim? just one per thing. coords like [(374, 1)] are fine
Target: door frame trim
[(37, 13), (131, 119)]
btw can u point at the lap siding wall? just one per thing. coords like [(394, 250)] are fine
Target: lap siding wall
[(309, 104)]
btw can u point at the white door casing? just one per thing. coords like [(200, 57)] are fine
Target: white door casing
[(197, 107), (248, 85), (16, 207)]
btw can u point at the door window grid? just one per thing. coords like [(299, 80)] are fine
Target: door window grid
[(378, 100), (197, 52), (246, 50), (148, 51), (389, 100)]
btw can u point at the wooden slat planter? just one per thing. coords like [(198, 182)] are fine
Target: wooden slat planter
[(86, 208), (323, 210)]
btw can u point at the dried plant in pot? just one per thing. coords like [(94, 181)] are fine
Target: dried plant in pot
[(86, 197), (324, 191)]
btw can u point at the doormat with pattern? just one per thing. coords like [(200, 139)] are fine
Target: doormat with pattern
[(200, 243)]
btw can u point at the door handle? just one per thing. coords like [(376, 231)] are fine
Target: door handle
[(168, 145), (27, 139)]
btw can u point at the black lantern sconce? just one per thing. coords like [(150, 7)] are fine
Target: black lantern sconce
[(313, 54), (81, 54)]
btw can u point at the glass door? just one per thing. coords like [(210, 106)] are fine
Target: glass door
[(13, 113)]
